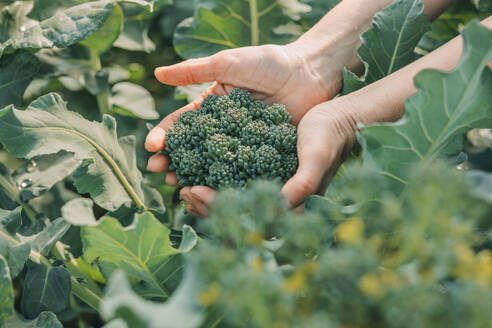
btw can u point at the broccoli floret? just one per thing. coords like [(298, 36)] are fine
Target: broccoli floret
[(232, 140)]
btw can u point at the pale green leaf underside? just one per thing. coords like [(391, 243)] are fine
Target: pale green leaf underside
[(143, 251), (110, 173), (133, 100), (180, 310), (390, 42), (224, 24), (447, 105)]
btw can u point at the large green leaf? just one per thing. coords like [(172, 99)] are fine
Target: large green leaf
[(16, 72), (63, 29), (44, 320), (6, 292), (447, 105), (181, 310), (45, 288), (390, 42), (224, 24), (109, 174), (143, 250)]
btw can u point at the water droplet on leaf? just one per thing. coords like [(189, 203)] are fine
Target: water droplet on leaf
[(31, 166), (26, 183)]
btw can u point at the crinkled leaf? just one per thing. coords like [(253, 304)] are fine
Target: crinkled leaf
[(447, 105), (109, 174), (102, 40), (143, 250), (390, 42), (6, 291), (181, 310), (79, 212), (44, 320), (135, 29), (132, 100), (63, 29), (224, 24), (45, 288), (16, 72), (40, 174)]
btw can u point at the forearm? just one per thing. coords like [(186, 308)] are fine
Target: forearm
[(342, 27), (383, 101)]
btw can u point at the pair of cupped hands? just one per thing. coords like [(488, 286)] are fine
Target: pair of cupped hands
[(274, 74)]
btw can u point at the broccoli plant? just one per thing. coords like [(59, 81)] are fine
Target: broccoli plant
[(232, 140)]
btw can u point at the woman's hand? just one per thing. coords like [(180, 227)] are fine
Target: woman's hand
[(326, 135), (274, 74)]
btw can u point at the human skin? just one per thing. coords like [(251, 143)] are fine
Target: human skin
[(309, 68)]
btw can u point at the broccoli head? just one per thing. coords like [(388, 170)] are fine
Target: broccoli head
[(232, 140)]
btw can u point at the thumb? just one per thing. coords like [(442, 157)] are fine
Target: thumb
[(193, 71), (309, 176)]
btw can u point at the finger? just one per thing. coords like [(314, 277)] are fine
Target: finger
[(308, 178), (185, 194), (158, 163), (156, 139), (191, 210), (193, 71), (200, 207), (172, 179), (203, 194)]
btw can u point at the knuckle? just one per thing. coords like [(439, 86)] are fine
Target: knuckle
[(307, 186)]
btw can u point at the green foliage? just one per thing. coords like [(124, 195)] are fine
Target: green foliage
[(6, 291), (231, 140), (436, 118), (109, 173), (143, 250), (225, 24), (45, 289), (16, 72), (390, 42), (369, 266), (77, 246)]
